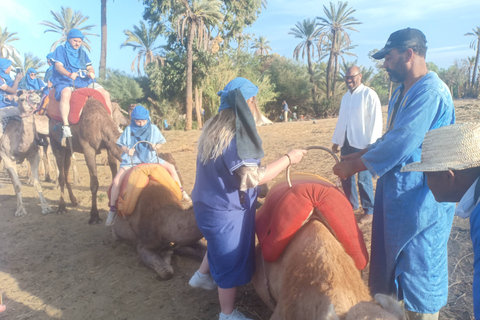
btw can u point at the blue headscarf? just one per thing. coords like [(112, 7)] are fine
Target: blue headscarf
[(142, 133), (247, 88), (32, 84), (235, 95), (75, 33), (76, 58), (49, 72), (4, 64)]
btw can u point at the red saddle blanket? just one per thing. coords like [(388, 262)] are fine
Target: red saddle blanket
[(136, 179), (287, 209), (77, 101)]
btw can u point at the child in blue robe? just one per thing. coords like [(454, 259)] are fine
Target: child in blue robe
[(140, 129)]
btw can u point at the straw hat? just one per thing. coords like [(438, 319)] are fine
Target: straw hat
[(454, 147)]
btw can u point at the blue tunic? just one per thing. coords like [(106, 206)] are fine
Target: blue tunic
[(475, 235), (60, 81), (4, 102), (410, 229), (128, 141), (226, 217)]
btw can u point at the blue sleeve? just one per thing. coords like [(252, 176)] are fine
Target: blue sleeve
[(124, 138), (475, 235), (22, 84), (88, 62), (233, 161), (419, 113), (157, 136), (59, 55)]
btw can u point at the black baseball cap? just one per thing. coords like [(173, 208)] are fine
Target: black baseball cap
[(402, 38)]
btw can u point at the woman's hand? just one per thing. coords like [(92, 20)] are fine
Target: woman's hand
[(74, 76), (131, 152), (296, 155)]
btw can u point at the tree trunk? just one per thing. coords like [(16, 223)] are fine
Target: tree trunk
[(330, 64), (188, 122), (334, 78), (200, 102), (476, 65), (103, 52), (197, 107), (310, 71)]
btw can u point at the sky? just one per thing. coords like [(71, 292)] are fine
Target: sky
[(444, 22)]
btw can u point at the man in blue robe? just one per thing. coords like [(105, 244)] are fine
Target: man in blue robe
[(410, 229), (451, 163), (73, 69)]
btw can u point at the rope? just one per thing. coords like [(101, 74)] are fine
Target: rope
[(312, 148)]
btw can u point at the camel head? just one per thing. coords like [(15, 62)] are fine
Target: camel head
[(385, 308), (28, 100), (120, 116)]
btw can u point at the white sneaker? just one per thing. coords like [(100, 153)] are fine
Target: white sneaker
[(110, 218), (204, 281), (235, 315), (67, 133)]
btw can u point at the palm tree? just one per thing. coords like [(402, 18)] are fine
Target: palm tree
[(337, 23), (67, 20), (308, 31), (475, 44), (143, 40), (261, 44), (198, 16), (342, 49), (29, 61), (6, 49)]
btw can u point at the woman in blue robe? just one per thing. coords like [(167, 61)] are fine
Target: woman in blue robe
[(8, 86), (225, 193)]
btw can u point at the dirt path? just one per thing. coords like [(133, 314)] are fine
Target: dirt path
[(59, 267)]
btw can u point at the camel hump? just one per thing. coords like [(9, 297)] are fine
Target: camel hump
[(77, 102), (287, 209), (137, 178)]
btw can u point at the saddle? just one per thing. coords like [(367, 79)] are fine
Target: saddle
[(287, 209), (77, 102), (136, 179)]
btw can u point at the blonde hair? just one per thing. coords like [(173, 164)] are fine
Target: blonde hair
[(216, 135)]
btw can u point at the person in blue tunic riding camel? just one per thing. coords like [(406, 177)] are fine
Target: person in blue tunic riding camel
[(225, 193), (410, 230), (8, 88), (140, 129), (73, 69), (31, 82)]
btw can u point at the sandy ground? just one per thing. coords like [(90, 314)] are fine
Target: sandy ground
[(59, 267)]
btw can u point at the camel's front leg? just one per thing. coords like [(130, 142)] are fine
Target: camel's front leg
[(90, 154), (34, 162), (159, 263), (17, 185), (68, 182), (60, 155)]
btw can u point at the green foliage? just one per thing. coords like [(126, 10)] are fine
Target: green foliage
[(122, 88), (6, 49), (67, 19), (143, 40), (29, 61), (291, 80)]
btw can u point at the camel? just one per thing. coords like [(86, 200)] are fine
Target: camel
[(94, 131), (18, 143), (160, 226), (311, 275)]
